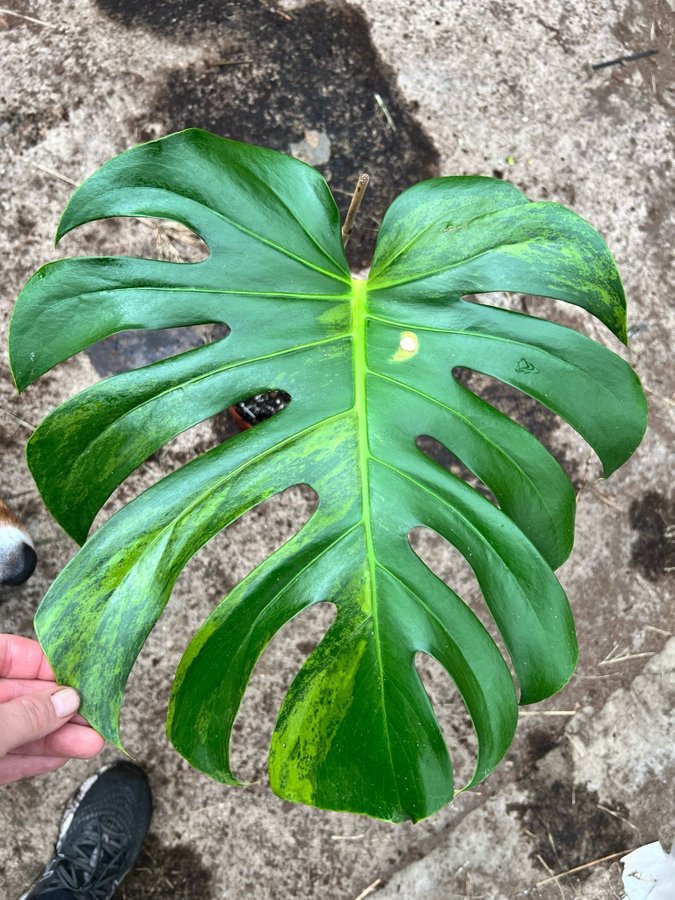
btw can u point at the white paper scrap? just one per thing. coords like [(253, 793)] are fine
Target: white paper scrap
[(649, 874)]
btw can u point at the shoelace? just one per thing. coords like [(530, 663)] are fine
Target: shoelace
[(92, 868)]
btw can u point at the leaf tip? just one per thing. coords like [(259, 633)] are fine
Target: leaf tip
[(17, 380), (621, 329), (65, 225)]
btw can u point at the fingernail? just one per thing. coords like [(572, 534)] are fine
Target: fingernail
[(65, 702)]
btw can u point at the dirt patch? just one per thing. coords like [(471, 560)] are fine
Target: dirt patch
[(312, 79), (171, 17), (541, 740), (653, 551), (23, 129), (570, 825), (169, 873)]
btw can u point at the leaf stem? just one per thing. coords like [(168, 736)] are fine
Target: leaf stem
[(354, 204)]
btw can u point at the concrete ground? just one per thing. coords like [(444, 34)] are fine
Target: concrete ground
[(498, 88)]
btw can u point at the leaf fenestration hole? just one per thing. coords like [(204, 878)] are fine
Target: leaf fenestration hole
[(150, 238), (559, 311), (268, 685), (135, 348), (452, 715), (255, 535), (439, 453), (207, 577), (448, 564), (559, 438), (175, 453)]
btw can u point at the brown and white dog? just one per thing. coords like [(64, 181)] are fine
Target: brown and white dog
[(17, 553)]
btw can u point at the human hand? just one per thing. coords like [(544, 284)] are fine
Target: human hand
[(39, 728)]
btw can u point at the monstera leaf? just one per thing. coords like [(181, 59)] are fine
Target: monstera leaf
[(368, 365)]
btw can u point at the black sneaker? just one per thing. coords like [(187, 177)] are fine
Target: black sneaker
[(101, 835)]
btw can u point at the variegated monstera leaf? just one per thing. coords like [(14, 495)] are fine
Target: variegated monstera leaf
[(368, 365)]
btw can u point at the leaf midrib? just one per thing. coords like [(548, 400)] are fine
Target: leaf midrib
[(360, 408)]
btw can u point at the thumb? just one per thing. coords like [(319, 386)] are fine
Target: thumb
[(33, 716)]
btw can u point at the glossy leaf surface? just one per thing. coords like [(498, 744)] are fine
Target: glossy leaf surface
[(368, 365)]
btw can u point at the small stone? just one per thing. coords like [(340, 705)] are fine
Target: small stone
[(313, 149)]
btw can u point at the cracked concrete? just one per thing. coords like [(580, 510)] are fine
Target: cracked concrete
[(503, 89)]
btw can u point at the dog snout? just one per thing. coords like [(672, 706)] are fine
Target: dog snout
[(17, 558)]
